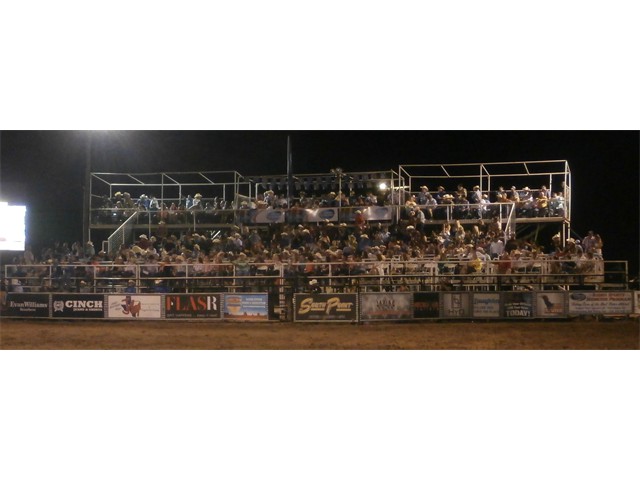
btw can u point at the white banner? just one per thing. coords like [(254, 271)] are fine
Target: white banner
[(267, 216), (321, 214), (386, 306), (550, 304), (600, 303), (134, 306), (486, 305), (377, 213), (455, 305)]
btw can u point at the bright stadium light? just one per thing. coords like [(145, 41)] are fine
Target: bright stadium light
[(12, 227), (382, 186)]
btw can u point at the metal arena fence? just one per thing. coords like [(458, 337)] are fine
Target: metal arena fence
[(323, 307), (282, 280)]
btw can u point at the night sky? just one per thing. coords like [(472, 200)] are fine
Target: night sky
[(45, 169)]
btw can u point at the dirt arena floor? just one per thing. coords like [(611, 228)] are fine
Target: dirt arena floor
[(151, 335)]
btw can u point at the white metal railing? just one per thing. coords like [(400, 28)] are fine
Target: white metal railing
[(119, 236), (506, 212), (425, 273)]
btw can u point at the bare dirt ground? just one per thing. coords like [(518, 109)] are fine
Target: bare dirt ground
[(151, 335)]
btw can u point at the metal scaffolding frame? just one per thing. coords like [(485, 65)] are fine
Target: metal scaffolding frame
[(554, 173)]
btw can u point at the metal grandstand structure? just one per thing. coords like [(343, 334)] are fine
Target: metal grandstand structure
[(224, 190), (426, 282), (554, 174)]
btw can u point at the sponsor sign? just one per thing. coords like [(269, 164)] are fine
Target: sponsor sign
[(192, 306), (321, 214), (600, 303), (267, 216), (426, 305), (77, 306), (550, 304), (125, 306), (636, 303), (386, 306), (326, 306), (517, 304), (377, 213), (251, 307), (455, 305), (28, 305), (486, 305)]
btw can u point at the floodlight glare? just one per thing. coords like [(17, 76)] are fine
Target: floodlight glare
[(382, 186), (12, 227)]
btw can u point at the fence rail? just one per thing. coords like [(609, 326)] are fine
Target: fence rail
[(441, 212), (370, 275)]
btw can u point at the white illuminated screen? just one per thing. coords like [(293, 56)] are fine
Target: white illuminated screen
[(12, 229)]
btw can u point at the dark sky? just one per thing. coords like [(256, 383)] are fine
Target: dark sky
[(45, 169)]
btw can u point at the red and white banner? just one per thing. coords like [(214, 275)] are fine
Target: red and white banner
[(126, 306)]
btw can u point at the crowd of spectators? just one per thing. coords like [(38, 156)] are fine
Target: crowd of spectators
[(438, 205), (305, 250), (121, 206)]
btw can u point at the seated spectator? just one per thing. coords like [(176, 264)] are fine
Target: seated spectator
[(541, 208), (422, 195), (131, 287), (485, 206), (526, 204), (556, 205), (476, 195), (196, 203), (513, 195)]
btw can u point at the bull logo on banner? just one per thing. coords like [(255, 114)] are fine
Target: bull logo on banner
[(131, 307)]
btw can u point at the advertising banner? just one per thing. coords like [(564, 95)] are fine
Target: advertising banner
[(636, 302), (550, 304), (192, 306), (321, 214), (267, 216), (28, 304), (600, 303), (78, 305), (455, 305), (248, 307), (426, 305), (127, 306), (377, 213), (517, 304), (486, 305), (386, 306), (326, 306)]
